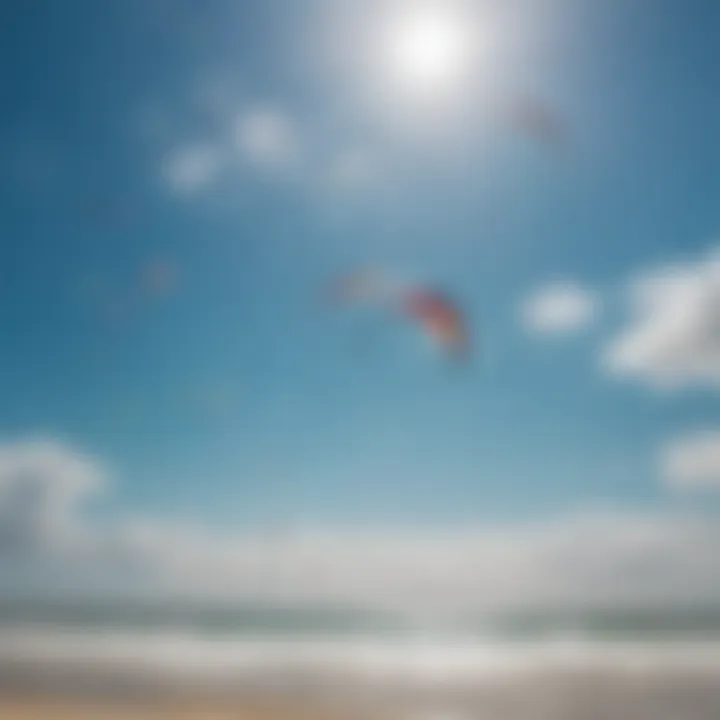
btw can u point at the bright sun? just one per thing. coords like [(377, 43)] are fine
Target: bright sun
[(428, 48)]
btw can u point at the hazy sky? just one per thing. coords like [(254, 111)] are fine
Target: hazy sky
[(179, 181)]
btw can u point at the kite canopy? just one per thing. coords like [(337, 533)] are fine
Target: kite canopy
[(439, 316)]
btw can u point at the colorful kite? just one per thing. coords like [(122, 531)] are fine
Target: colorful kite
[(439, 316)]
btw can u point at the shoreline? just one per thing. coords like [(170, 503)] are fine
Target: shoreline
[(579, 697)]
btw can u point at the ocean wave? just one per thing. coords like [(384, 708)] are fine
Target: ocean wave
[(166, 657)]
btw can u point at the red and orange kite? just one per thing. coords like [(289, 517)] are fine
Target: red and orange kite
[(439, 316)]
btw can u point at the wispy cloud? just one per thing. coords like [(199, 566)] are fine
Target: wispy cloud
[(47, 536), (249, 140), (267, 138), (193, 167), (693, 462), (559, 308), (260, 138), (673, 338)]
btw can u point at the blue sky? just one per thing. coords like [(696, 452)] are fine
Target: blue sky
[(180, 179)]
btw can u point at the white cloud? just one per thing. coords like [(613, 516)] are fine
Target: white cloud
[(559, 308), (585, 561), (43, 486), (258, 139), (266, 137), (693, 462), (48, 540), (673, 338), (190, 168)]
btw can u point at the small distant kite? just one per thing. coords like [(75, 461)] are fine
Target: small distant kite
[(439, 316), (158, 278), (538, 120)]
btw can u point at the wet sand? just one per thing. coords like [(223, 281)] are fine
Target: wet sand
[(59, 708), (573, 696)]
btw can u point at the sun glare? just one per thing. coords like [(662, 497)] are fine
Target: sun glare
[(428, 48)]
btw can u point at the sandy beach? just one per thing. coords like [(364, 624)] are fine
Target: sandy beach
[(184, 706), (33, 708), (42, 709), (581, 695)]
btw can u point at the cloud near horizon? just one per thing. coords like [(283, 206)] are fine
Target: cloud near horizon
[(51, 542)]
